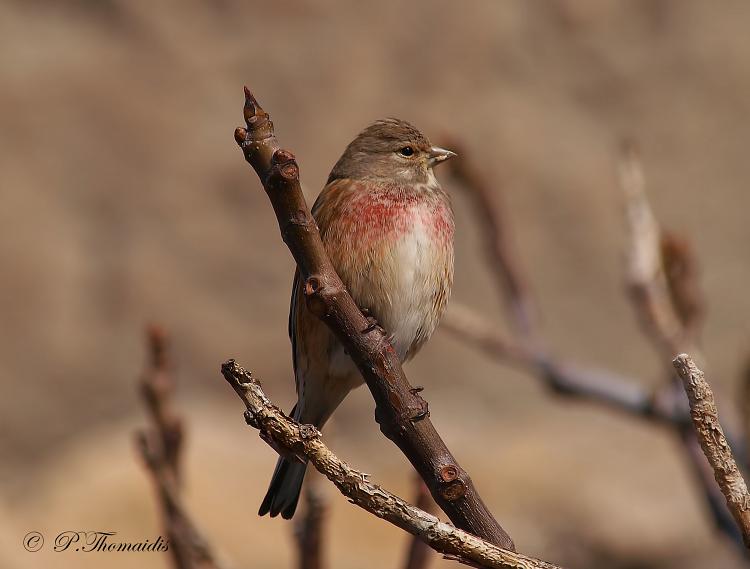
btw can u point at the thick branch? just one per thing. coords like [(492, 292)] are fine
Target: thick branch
[(401, 413), (714, 443), (305, 441)]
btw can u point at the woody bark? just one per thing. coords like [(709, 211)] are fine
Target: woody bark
[(402, 414)]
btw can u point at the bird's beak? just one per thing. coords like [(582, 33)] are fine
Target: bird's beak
[(438, 155)]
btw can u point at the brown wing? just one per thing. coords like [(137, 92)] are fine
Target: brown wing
[(293, 325), (322, 222)]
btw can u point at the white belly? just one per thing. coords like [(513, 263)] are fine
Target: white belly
[(400, 271), (398, 288), (413, 266)]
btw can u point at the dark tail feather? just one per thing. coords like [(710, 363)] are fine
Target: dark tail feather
[(283, 492), (286, 485)]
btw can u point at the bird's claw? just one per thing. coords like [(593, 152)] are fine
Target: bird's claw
[(372, 323)]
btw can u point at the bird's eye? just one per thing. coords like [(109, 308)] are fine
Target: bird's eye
[(406, 151)]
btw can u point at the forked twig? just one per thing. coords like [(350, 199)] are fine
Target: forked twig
[(305, 440)]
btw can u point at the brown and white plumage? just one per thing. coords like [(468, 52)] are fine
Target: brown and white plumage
[(387, 226)]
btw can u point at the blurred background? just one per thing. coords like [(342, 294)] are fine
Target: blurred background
[(124, 201)]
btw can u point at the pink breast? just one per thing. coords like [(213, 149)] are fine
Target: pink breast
[(379, 216)]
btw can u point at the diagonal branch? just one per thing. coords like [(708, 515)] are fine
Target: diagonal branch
[(402, 414), (558, 375), (305, 440), (713, 442)]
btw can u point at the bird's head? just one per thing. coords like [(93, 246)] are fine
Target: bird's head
[(393, 150)]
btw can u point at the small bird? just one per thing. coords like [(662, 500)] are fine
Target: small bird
[(387, 226)]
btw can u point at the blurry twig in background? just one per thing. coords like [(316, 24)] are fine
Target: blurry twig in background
[(157, 388), (715, 446), (563, 378), (662, 280), (419, 554), (528, 352), (305, 440), (681, 271), (667, 298), (159, 446), (504, 263), (645, 275), (308, 528), (744, 397)]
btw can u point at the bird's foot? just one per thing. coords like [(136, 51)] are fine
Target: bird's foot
[(372, 323)]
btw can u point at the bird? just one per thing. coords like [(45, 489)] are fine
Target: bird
[(387, 226)]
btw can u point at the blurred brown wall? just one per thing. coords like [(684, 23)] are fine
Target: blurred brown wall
[(124, 200)]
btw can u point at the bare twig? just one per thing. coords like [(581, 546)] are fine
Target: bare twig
[(666, 296), (502, 258), (645, 270), (604, 387), (713, 442), (308, 529), (402, 414), (745, 412), (562, 377), (159, 446), (157, 389), (305, 441), (617, 391), (528, 352), (418, 554), (681, 272), (663, 283)]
